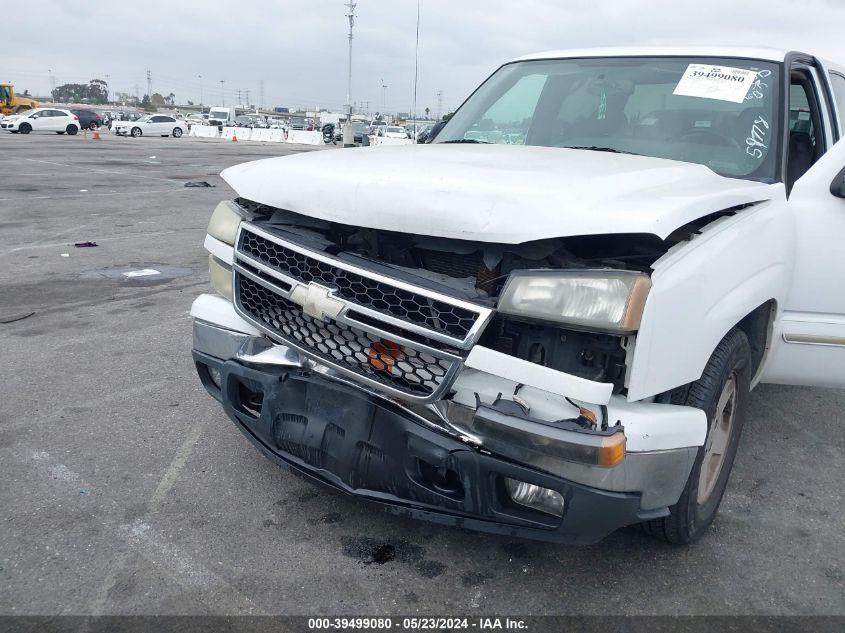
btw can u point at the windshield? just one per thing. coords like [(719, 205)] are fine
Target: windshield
[(145, 119), (218, 114), (396, 130), (716, 112)]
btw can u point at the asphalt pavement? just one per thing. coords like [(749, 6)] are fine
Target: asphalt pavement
[(126, 490)]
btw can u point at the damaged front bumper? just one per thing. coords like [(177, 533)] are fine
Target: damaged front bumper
[(449, 462)]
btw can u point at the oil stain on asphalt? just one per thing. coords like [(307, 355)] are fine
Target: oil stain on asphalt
[(369, 551)]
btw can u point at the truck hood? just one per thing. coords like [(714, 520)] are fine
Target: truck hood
[(492, 193)]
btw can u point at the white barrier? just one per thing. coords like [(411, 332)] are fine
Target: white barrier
[(303, 137), (204, 131), (376, 141), (242, 133), (261, 134), (276, 136)]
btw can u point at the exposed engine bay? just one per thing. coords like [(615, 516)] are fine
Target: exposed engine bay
[(477, 271)]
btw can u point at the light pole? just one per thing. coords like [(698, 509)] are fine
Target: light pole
[(383, 100), (222, 93), (108, 89), (416, 70), (200, 76), (348, 132)]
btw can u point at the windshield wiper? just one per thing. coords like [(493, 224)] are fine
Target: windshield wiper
[(594, 148), (466, 140)]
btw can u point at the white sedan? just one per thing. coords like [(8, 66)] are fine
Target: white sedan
[(392, 131), (151, 125), (42, 120)]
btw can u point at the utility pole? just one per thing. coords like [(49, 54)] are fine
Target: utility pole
[(439, 104), (52, 81), (260, 94), (200, 76), (239, 97), (383, 99), (149, 84), (416, 69), (108, 89), (222, 93), (247, 98), (348, 132)]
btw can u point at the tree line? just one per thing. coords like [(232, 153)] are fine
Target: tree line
[(96, 92)]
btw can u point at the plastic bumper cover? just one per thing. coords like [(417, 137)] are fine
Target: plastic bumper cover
[(341, 436)]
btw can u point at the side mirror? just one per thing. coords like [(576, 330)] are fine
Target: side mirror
[(837, 187)]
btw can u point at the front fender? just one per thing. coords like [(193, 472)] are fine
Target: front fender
[(704, 287)]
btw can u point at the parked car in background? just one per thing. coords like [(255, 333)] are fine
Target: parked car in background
[(221, 116), (194, 119), (88, 119), (42, 120), (359, 128), (151, 125), (391, 131)]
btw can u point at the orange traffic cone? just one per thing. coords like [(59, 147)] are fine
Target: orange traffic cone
[(96, 136), (234, 138)]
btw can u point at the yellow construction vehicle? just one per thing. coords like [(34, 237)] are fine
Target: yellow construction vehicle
[(10, 103)]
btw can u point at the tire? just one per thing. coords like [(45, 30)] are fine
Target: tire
[(177, 132), (25, 128), (136, 132), (729, 369), (72, 130), (93, 126)]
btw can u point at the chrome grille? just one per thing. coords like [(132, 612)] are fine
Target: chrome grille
[(415, 356), (412, 371), (431, 314)]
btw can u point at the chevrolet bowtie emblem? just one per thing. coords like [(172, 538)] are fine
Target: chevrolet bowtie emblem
[(317, 301)]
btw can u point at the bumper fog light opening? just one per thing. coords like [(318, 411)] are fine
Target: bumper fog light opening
[(214, 375), (543, 500)]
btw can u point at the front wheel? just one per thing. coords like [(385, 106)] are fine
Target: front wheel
[(722, 392), (177, 132), (72, 129), (25, 128), (136, 132), (93, 126)]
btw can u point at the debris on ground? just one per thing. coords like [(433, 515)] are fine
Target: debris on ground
[(145, 272), (198, 183), (85, 244), (16, 317), (65, 254)]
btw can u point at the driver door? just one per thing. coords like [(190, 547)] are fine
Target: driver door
[(808, 343), (40, 121)]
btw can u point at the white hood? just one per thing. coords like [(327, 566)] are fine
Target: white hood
[(492, 193)]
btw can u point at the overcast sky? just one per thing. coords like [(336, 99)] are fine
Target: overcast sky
[(299, 49)]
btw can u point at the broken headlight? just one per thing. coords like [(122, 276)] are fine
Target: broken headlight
[(611, 300)]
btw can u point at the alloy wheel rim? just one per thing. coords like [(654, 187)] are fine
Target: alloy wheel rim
[(717, 440)]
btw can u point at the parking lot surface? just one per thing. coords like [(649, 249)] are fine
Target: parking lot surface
[(126, 490)]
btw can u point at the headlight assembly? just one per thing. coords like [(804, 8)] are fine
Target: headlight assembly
[(224, 222), (611, 300)]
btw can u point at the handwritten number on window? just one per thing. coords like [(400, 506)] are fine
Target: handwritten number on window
[(755, 144)]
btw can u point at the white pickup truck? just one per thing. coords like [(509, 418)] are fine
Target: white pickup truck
[(554, 333)]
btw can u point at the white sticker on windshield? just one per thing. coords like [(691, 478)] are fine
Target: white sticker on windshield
[(715, 82)]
